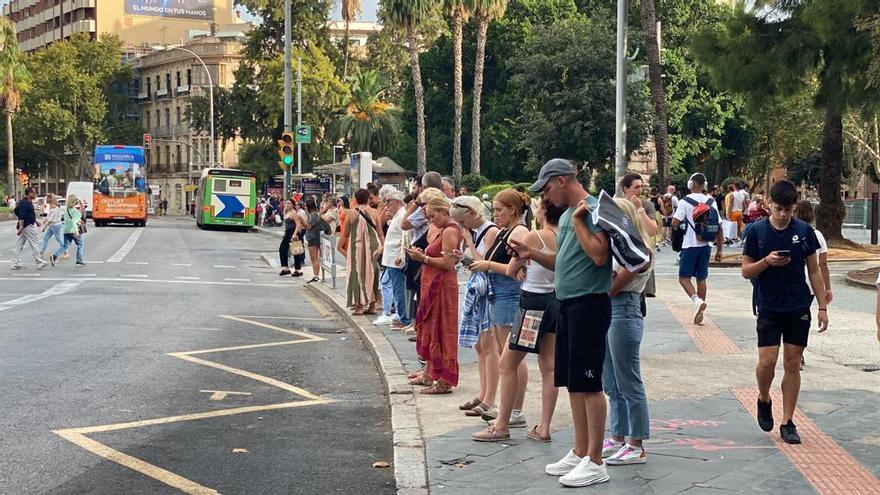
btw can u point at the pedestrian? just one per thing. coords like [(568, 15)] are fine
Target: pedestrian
[(774, 256), (330, 213), (804, 212), (27, 229), (312, 238), (415, 221), (478, 234), (437, 318), (258, 213), (487, 206), (582, 284), (72, 218), (362, 246), (695, 252), (291, 245), (670, 206), (52, 227), (510, 206), (463, 191), (393, 280), (534, 331), (621, 376), (448, 187), (165, 206)]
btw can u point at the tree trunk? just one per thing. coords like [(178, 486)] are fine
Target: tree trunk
[(421, 150), (829, 216), (658, 93), (345, 51), (10, 162), (478, 92), (458, 19)]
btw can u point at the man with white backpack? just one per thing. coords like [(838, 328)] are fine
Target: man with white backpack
[(699, 213)]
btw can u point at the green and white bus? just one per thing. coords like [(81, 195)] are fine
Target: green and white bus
[(226, 197)]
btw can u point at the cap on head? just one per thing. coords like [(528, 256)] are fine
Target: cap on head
[(554, 168)]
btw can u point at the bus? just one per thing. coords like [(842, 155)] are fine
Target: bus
[(226, 197), (120, 193)]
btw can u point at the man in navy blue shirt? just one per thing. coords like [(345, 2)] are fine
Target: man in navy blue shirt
[(27, 229), (775, 253)]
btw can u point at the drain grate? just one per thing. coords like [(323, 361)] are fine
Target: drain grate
[(867, 368), (346, 396)]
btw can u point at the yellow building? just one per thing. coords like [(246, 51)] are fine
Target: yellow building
[(138, 22)]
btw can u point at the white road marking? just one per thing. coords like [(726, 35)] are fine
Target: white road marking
[(28, 274), (210, 329), (224, 266), (5, 261), (180, 264), (188, 278), (84, 275), (127, 247), (136, 263), (237, 279), (55, 290), (135, 276), (95, 261), (146, 280)]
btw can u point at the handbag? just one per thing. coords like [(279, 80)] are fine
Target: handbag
[(82, 227), (296, 247), (526, 333)]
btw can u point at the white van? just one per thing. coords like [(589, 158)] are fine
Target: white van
[(85, 192)]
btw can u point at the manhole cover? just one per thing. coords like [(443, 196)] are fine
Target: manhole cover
[(868, 368), (346, 396)]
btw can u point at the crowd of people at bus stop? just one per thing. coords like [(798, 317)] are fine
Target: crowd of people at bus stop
[(405, 249)]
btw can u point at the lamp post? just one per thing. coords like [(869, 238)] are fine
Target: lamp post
[(210, 94)]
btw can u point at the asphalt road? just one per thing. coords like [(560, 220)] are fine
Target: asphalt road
[(177, 361)]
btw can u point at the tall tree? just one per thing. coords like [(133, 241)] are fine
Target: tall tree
[(350, 10), (460, 12), (370, 122), (658, 93), (768, 53), (485, 11), (14, 79), (408, 15)]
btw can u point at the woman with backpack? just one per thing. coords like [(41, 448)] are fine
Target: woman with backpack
[(72, 219)]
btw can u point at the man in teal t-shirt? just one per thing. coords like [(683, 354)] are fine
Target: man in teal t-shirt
[(583, 278)]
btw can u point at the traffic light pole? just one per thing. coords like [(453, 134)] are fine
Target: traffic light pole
[(288, 103), (299, 113)]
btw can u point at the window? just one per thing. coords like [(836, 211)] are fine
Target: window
[(219, 185), (158, 86), (158, 118), (178, 78), (168, 82), (178, 115), (168, 117), (149, 86), (189, 77), (147, 120), (177, 158), (168, 157)]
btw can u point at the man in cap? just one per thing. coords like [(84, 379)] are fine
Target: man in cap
[(582, 289)]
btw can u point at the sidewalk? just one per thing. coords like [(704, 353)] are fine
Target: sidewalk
[(700, 384)]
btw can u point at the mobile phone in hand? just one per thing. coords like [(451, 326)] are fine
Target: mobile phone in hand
[(785, 253)]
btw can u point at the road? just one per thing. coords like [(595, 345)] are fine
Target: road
[(177, 361)]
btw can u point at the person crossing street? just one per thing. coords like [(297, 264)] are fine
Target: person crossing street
[(28, 230)]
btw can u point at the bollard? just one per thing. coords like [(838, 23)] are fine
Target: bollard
[(874, 218)]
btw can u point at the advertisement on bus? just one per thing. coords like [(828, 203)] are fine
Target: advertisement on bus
[(121, 192)]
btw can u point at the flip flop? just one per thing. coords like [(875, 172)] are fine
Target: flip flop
[(478, 410), (534, 435), (470, 404)]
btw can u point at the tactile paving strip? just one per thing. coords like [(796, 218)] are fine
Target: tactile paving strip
[(708, 337)]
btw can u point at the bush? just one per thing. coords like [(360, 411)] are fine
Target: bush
[(605, 179), (5, 209), (474, 182), (731, 180), (493, 189)]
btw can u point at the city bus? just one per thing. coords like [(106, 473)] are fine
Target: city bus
[(226, 197), (120, 192)]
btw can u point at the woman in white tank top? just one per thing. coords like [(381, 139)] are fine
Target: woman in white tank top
[(537, 313)]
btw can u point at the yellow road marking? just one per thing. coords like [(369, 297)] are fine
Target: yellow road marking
[(135, 464), (308, 296), (249, 346), (272, 327), (221, 394)]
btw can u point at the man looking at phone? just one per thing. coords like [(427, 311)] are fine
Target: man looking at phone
[(775, 253)]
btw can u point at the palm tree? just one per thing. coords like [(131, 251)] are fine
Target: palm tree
[(369, 123), (408, 15), (350, 10), (486, 12), (14, 79), (460, 12), (658, 93)]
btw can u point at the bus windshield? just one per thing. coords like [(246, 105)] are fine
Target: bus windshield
[(120, 171)]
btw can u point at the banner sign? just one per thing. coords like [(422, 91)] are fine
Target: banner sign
[(316, 187), (178, 9)]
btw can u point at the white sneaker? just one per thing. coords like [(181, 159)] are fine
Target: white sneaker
[(700, 306), (585, 474), (628, 455), (610, 447), (517, 420), (564, 465), (383, 320)]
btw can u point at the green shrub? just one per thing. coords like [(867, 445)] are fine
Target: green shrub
[(493, 189), (5, 209), (474, 182), (605, 180), (729, 180)]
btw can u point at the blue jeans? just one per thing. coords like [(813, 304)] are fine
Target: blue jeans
[(53, 230), (621, 375), (393, 285), (68, 239)]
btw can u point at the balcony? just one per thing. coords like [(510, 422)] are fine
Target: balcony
[(161, 92), (143, 96), (183, 89)]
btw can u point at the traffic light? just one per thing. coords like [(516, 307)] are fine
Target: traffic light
[(148, 141), (285, 149)]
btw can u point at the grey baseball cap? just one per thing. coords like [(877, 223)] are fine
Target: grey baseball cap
[(553, 168)]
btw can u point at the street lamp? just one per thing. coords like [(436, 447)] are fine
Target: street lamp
[(339, 146), (210, 92)]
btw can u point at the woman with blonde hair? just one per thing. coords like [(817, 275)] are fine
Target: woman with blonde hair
[(479, 233), (509, 207), (621, 374), (437, 317), (52, 226), (71, 217)]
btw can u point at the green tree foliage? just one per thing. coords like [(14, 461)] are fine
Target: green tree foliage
[(369, 122), (261, 158), (768, 55), (474, 182)]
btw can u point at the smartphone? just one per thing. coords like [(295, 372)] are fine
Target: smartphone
[(466, 261), (785, 253)]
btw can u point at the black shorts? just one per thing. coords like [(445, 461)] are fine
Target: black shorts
[(313, 241), (791, 328), (580, 342), (535, 301)]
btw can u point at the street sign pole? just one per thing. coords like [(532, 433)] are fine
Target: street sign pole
[(620, 107), (299, 114), (288, 103)]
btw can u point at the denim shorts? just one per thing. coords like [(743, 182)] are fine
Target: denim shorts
[(503, 300)]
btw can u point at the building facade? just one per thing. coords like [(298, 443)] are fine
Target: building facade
[(165, 80), (138, 22)]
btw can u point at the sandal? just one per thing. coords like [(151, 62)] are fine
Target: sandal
[(284, 272), (415, 374), (470, 404), (437, 389), (490, 434), (534, 435), (424, 380), (478, 410)]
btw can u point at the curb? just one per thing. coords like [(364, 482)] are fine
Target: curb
[(410, 465), (859, 283)]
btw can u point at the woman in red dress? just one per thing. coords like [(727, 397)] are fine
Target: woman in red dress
[(437, 318)]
